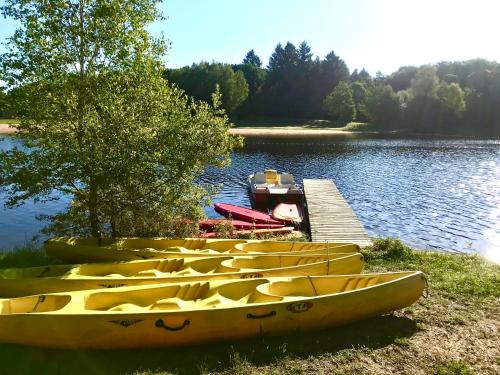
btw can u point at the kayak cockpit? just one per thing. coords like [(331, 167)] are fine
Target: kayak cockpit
[(34, 304)]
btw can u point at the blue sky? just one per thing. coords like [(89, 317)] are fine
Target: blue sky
[(380, 35)]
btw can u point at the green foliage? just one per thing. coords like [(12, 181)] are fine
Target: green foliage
[(101, 124), (454, 275), (296, 84), (390, 249), (251, 58), (381, 106), (452, 97), (359, 95), (362, 77), (454, 368), (28, 256), (402, 78), (426, 83), (359, 127), (255, 78), (339, 104), (3, 104), (200, 81)]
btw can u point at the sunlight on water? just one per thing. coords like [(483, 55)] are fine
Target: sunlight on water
[(437, 194)]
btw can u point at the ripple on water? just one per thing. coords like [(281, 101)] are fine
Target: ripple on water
[(442, 194)]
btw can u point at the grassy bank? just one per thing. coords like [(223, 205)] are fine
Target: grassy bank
[(301, 124), (453, 331), (8, 121), (285, 123)]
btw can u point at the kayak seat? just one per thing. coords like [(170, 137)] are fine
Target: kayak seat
[(145, 299), (127, 307), (239, 290), (207, 265), (272, 177), (34, 304), (259, 179), (170, 265), (287, 180), (149, 273), (195, 291), (194, 243), (298, 287), (222, 245)]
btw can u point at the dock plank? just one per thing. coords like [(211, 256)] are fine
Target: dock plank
[(331, 218)]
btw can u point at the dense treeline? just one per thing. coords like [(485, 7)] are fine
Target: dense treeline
[(448, 97), (442, 98)]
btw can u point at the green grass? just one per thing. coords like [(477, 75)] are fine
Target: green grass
[(27, 256), (454, 368), (8, 121), (286, 123), (360, 127), (453, 331), (303, 124), (454, 275)]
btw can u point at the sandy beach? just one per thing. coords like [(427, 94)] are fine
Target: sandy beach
[(6, 129), (247, 132), (289, 131)]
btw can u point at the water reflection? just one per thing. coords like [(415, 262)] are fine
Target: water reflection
[(442, 194), (433, 193)]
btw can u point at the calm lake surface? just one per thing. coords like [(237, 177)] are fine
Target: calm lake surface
[(432, 193)]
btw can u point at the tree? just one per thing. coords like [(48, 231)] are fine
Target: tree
[(426, 83), (100, 123), (200, 81), (401, 79), (305, 54), (323, 77), (358, 93), (3, 103), (279, 91), (381, 106), (255, 78), (362, 77), (482, 114), (252, 59), (452, 97), (339, 104)]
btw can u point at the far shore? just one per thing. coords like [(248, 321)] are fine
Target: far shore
[(248, 132), (293, 131), (287, 131)]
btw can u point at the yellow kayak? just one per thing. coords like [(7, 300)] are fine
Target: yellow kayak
[(86, 250), (293, 247), (17, 282), (196, 312), (83, 250)]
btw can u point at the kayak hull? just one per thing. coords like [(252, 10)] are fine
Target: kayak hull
[(86, 250), (100, 319), (255, 232), (288, 213), (210, 224), (63, 278), (246, 214)]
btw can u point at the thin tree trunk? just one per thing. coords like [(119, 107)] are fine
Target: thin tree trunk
[(95, 225)]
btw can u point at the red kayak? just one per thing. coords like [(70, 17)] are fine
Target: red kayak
[(256, 232), (209, 224), (288, 213), (246, 214)]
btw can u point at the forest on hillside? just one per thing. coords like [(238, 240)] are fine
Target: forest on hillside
[(460, 97), (447, 97)]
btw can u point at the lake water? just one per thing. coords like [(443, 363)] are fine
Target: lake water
[(432, 193)]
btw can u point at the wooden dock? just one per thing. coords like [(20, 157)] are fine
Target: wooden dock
[(330, 216)]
